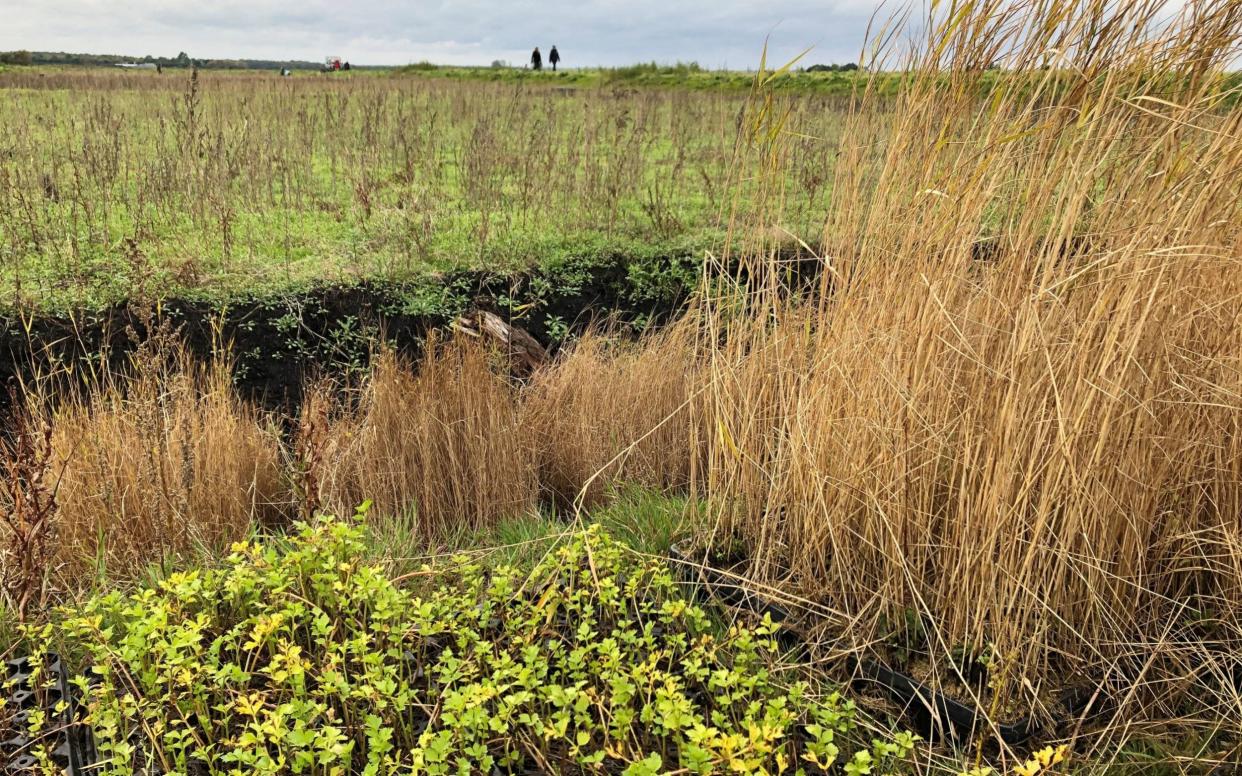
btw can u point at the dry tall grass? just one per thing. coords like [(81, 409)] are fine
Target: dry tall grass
[(443, 444), (1034, 445), (611, 412), (170, 457), (169, 461)]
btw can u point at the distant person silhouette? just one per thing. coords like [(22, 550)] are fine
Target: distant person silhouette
[(554, 56), (536, 60)]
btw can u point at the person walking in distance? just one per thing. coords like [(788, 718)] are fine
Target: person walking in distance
[(536, 60), (554, 56)]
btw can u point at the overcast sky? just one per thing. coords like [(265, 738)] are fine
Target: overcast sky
[(714, 33)]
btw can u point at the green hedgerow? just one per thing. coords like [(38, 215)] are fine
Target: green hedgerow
[(296, 657)]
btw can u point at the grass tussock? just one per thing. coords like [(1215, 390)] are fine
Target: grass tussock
[(611, 412), (443, 443), (171, 461)]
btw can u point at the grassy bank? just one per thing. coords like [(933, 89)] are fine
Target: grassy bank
[(843, 84)]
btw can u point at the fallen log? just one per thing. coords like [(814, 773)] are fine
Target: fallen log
[(523, 352)]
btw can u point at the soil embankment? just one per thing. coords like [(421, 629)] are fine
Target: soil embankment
[(279, 341)]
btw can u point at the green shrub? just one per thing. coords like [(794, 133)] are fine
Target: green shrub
[(297, 657)]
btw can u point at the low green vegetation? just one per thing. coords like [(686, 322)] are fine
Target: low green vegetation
[(835, 80), (297, 656), (682, 75), (644, 521), (121, 185)]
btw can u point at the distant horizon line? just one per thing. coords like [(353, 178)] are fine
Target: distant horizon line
[(112, 59)]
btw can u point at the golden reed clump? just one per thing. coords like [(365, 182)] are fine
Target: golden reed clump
[(1014, 410), (170, 459), (441, 445), (611, 412), (166, 462)]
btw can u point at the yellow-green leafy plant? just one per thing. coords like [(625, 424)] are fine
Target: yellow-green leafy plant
[(1041, 761), (298, 656)]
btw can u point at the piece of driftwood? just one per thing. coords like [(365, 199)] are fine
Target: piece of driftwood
[(523, 351)]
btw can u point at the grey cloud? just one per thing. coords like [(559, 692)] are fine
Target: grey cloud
[(588, 32)]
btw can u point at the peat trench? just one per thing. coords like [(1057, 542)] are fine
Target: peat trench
[(278, 342)]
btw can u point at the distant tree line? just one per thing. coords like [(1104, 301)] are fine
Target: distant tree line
[(181, 60), (846, 68)]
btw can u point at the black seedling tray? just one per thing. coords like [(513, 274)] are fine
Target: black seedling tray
[(70, 742), (708, 583), (941, 716)]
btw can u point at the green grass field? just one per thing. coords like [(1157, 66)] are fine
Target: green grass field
[(120, 184), (678, 76)]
